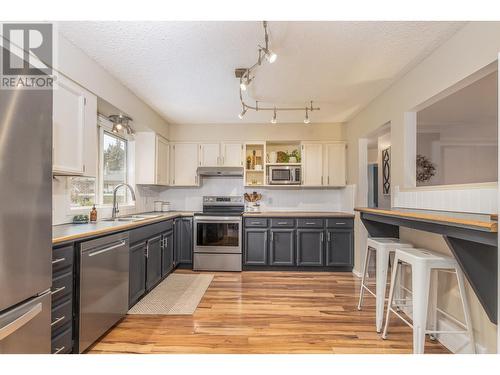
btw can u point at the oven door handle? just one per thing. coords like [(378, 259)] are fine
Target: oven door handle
[(213, 219)]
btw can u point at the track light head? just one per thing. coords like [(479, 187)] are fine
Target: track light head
[(306, 119), (274, 120), (271, 56), (242, 113)]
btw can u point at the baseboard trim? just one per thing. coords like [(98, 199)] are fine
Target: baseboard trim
[(357, 273)]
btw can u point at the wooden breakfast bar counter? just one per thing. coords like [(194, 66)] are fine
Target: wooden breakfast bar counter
[(472, 238)]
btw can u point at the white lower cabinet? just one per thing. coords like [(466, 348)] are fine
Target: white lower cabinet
[(152, 159), (184, 164), (74, 131)]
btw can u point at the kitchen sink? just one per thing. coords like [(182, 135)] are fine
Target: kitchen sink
[(132, 218)]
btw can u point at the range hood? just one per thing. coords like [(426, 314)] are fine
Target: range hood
[(220, 171)]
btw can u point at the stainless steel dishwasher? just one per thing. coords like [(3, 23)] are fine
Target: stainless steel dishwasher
[(104, 273)]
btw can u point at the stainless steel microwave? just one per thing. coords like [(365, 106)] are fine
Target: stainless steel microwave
[(284, 175)]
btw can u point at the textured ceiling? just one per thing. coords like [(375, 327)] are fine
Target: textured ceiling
[(185, 70)]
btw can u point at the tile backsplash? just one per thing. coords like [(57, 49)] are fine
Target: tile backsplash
[(286, 199), (190, 199)]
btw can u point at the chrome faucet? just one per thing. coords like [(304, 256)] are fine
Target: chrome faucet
[(115, 203)]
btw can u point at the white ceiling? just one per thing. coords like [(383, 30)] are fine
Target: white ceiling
[(185, 70)]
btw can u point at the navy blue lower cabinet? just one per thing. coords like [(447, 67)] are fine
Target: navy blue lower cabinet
[(153, 261), (340, 247), (137, 273), (256, 247), (184, 240), (310, 247), (167, 254), (282, 247)]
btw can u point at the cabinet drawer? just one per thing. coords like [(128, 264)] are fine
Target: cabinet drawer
[(256, 222), (62, 258), (61, 314), (340, 223), (62, 342), (62, 286), (283, 223), (310, 223)]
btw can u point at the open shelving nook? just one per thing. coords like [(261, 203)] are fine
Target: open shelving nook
[(260, 155)]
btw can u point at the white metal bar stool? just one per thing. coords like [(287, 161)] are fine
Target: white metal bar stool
[(383, 247), (422, 263)]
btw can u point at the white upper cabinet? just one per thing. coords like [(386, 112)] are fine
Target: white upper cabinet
[(312, 162), (232, 154), (152, 159), (209, 154), (162, 159), (74, 128), (335, 164), (221, 154), (184, 164)]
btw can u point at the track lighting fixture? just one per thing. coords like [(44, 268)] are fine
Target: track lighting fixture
[(244, 76), (273, 120), (120, 124), (242, 113), (270, 55), (306, 119)]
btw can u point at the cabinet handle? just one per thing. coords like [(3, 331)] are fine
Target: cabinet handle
[(310, 223), (328, 179), (59, 260), (147, 250), (58, 320), (255, 222), (340, 223), (282, 223), (321, 180), (107, 249), (57, 290), (329, 237), (321, 235), (59, 350), (272, 236)]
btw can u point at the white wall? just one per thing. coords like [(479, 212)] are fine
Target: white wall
[(78, 66), (470, 49), (257, 132)]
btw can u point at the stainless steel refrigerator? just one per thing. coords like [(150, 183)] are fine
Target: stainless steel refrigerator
[(25, 220)]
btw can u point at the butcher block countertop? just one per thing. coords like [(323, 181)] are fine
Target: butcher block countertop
[(480, 222), (75, 232), (298, 214)]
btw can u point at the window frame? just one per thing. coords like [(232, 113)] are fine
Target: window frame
[(100, 183)]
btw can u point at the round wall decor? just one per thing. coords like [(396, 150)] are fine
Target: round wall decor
[(425, 169)]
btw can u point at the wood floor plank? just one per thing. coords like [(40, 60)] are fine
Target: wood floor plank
[(266, 312)]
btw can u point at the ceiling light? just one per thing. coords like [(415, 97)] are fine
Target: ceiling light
[(271, 56), (246, 75), (121, 123), (273, 120), (242, 113), (306, 119)]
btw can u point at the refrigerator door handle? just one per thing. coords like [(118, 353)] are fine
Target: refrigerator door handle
[(21, 321)]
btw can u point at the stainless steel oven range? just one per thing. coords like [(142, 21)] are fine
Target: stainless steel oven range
[(217, 234)]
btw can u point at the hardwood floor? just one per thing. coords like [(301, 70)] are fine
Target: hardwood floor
[(266, 312)]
